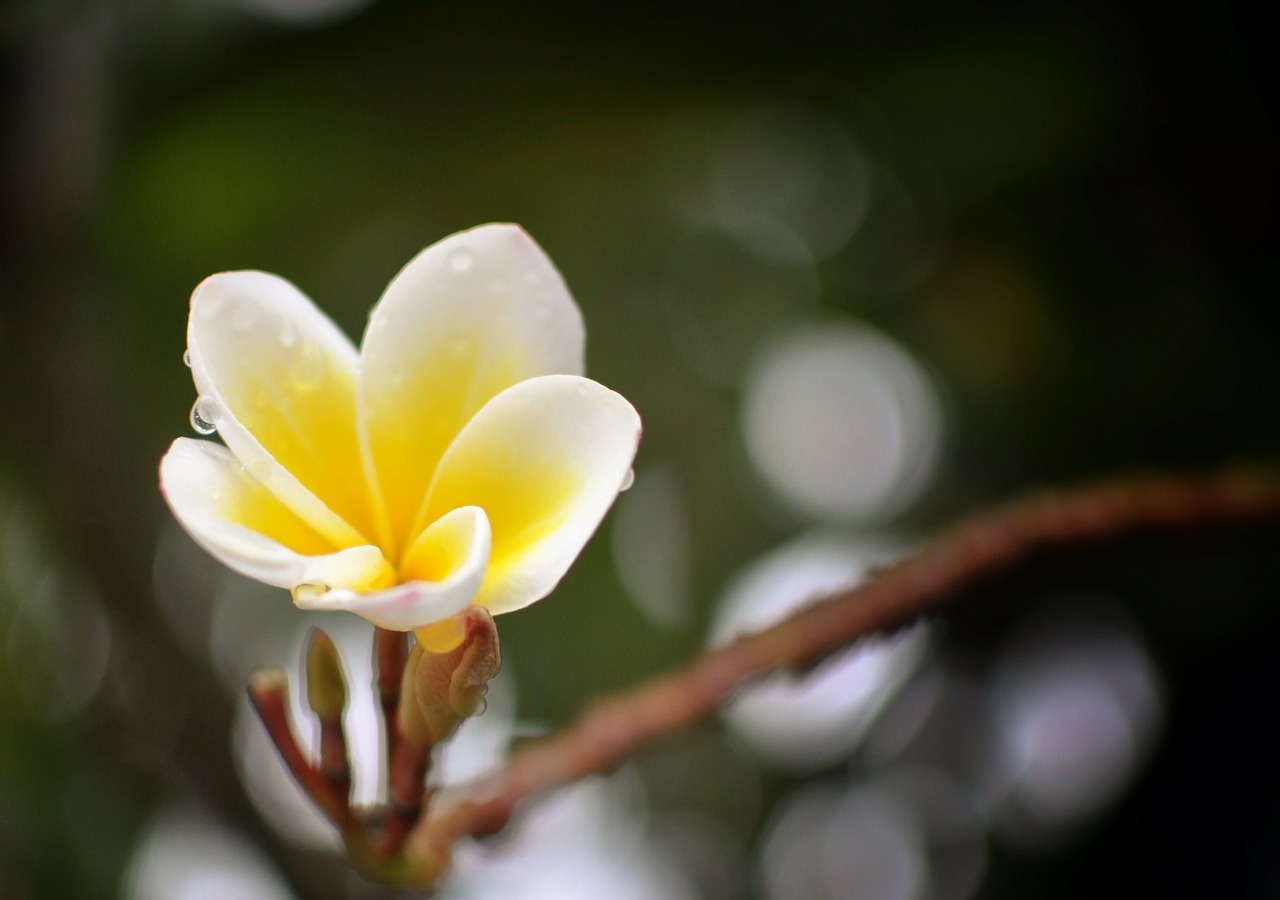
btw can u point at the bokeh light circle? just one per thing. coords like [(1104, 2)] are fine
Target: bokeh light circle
[(800, 722), (842, 423)]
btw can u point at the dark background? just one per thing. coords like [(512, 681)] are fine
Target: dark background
[(1071, 231)]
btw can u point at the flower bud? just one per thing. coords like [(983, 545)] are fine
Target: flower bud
[(326, 686), (442, 689)]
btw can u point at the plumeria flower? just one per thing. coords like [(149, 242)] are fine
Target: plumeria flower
[(457, 457)]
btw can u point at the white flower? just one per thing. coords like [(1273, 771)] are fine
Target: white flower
[(458, 457)]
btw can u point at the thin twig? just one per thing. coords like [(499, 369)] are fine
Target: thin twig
[(334, 765), (326, 692), (406, 764), (268, 690), (390, 651), (617, 727), (406, 784)]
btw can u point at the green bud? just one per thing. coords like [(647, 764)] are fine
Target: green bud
[(326, 686)]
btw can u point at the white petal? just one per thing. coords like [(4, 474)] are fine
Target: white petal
[(278, 378), (228, 513), (468, 317), (456, 547), (545, 460)]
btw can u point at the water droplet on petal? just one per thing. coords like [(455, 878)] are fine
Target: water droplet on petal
[(462, 259), (309, 368), (628, 480), (186, 358), (244, 315), (215, 492), (309, 591), (288, 334), (205, 413)]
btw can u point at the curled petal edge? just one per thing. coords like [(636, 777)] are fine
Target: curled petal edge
[(262, 559), (416, 604), (552, 430), (211, 324), (193, 473)]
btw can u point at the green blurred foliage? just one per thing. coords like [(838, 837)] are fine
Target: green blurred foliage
[(1063, 226)]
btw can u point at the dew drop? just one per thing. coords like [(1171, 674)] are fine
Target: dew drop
[(244, 315), (186, 358), (308, 369), (204, 415), (462, 259), (309, 591), (215, 492), (288, 335), (628, 480)]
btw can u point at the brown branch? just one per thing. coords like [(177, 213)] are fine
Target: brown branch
[(327, 697), (406, 764), (390, 652), (406, 783), (334, 765), (617, 727), (268, 690)]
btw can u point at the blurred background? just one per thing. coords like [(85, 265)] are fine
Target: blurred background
[(863, 268)]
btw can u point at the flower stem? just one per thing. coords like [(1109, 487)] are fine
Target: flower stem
[(327, 697), (268, 691), (405, 788), (406, 763), (390, 651)]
